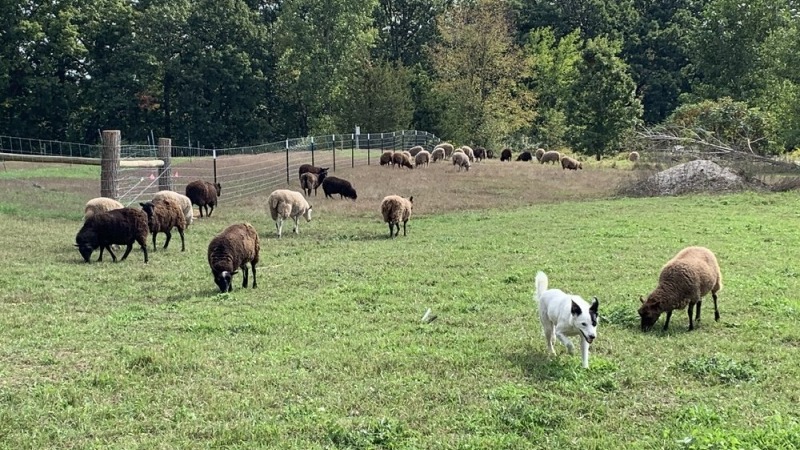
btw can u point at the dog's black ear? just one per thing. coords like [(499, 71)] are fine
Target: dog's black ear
[(641, 299), (576, 310), (595, 305)]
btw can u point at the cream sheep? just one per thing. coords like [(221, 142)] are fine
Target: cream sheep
[(570, 163), (396, 209), (469, 152), (438, 153), (633, 156), (551, 156), (684, 280), (100, 204), (408, 155), (183, 202), (539, 153), (447, 147), (284, 204), (401, 159), (422, 158), (413, 151), (461, 160)]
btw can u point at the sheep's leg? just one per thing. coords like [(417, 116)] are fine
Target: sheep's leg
[(113, 256), (296, 229), (155, 247), (253, 265), (183, 245), (212, 210), (697, 315), (244, 276), (666, 322), (716, 310), (404, 227), (169, 237), (690, 310), (391, 230), (100, 258), (584, 354), (279, 226), (127, 251), (200, 208), (143, 244)]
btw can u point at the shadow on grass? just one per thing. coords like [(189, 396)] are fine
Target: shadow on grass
[(538, 365)]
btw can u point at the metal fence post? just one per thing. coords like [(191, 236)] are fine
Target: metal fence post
[(312, 152), (214, 154), (287, 161), (333, 137)]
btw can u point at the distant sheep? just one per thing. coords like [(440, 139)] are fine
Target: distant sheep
[(447, 147), (309, 168), (231, 250), (525, 156), (461, 160), (162, 216), (684, 280), (505, 155), (284, 204), (204, 194), (539, 153), (396, 209), (633, 156), (309, 181), (333, 185), (122, 226), (438, 154), (413, 151), (182, 201), (469, 152), (551, 156), (386, 158), (400, 159), (570, 163), (490, 154), (480, 153), (100, 204), (422, 158)]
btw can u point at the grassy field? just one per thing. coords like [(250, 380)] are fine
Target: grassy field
[(330, 352)]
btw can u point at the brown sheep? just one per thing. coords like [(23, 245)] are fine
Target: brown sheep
[(231, 250), (400, 159), (538, 154), (571, 164), (551, 156), (309, 181), (396, 209), (684, 280), (422, 158), (633, 156), (162, 216), (204, 194), (438, 154), (386, 158), (309, 168)]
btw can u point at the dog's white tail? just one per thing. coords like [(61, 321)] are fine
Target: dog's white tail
[(541, 284)]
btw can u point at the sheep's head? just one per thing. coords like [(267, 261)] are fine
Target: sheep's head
[(307, 214), (224, 281), (87, 242), (649, 313), (218, 187)]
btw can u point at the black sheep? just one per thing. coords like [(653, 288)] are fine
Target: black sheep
[(204, 194), (122, 226), (333, 185), (479, 153), (505, 155), (525, 156)]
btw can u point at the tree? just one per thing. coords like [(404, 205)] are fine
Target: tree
[(602, 107), (404, 28), (378, 99), (611, 18), (478, 75)]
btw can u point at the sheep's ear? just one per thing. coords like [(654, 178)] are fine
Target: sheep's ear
[(641, 299), (142, 204), (576, 310), (411, 199), (310, 207)]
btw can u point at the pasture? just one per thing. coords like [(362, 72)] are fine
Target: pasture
[(330, 352)]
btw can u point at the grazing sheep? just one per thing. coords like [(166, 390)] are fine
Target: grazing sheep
[(551, 156), (461, 160), (162, 216), (284, 204), (505, 155), (309, 168), (480, 153), (570, 163), (538, 154), (396, 209), (400, 159), (422, 158), (230, 250), (204, 194), (122, 226), (413, 151), (684, 280), (525, 156), (333, 185), (633, 156), (447, 147), (310, 181), (490, 154), (386, 158), (181, 200), (438, 154), (469, 152), (100, 204)]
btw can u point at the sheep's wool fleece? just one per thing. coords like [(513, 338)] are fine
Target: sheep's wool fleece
[(395, 209), (286, 203)]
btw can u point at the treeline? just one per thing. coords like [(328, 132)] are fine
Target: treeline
[(577, 73)]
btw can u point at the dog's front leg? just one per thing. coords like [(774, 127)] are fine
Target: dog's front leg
[(565, 340), (584, 354)]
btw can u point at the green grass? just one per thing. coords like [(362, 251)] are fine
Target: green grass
[(329, 351)]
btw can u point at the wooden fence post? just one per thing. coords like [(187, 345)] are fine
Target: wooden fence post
[(165, 171), (109, 163)]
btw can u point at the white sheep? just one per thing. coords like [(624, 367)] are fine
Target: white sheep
[(469, 152), (183, 202), (100, 204), (461, 160), (447, 147), (422, 158), (284, 204), (684, 280), (438, 153)]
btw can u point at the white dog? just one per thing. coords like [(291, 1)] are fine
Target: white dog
[(565, 315)]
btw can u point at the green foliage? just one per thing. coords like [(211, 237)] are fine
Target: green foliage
[(378, 99), (720, 368), (405, 28), (729, 122), (602, 108)]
